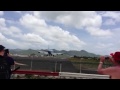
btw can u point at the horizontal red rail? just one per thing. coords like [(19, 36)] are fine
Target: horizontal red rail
[(36, 73)]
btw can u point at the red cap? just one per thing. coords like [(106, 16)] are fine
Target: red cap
[(116, 56)]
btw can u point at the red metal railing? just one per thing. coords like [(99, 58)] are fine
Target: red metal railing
[(36, 72)]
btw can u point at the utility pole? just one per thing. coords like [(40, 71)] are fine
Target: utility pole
[(80, 65), (48, 47)]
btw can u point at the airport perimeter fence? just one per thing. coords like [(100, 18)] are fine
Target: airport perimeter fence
[(59, 66)]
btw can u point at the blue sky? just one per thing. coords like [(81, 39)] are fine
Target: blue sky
[(95, 32)]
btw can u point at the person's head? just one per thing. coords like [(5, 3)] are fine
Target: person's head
[(2, 50), (6, 53), (116, 57)]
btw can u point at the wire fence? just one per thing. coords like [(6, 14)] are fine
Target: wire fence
[(59, 66)]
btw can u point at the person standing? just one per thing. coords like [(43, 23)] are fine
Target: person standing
[(4, 67), (113, 71), (11, 61)]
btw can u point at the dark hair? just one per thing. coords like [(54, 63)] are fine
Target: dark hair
[(1, 48), (6, 52)]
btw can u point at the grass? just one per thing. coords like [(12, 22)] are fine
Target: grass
[(90, 64)]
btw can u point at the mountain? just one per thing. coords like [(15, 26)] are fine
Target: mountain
[(77, 53), (23, 52), (70, 53)]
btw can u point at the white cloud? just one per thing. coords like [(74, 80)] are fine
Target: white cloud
[(78, 19), (40, 35), (104, 45), (116, 36), (1, 37), (2, 22), (111, 14), (12, 44), (55, 35), (12, 22), (109, 22), (1, 13), (36, 14), (29, 20), (34, 38), (11, 31), (6, 41), (33, 31), (18, 12), (114, 16), (99, 32), (106, 48)]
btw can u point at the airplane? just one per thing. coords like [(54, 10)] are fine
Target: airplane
[(49, 52)]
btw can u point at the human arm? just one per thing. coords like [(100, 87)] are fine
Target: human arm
[(102, 58), (13, 62), (16, 63), (101, 70)]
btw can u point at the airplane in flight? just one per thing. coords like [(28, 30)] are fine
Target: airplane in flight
[(49, 52)]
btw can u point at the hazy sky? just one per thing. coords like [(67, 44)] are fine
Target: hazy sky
[(96, 32)]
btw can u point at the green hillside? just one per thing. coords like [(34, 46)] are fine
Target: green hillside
[(65, 53)]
